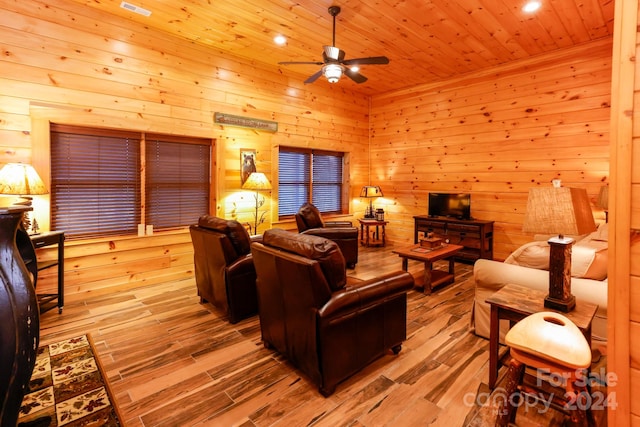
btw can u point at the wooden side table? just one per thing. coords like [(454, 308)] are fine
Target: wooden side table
[(514, 303), (378, 238), (48, 239)]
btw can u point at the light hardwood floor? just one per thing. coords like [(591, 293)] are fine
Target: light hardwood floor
[(172, 361)]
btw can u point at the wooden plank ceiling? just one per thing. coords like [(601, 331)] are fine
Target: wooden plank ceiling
[(425, 40)]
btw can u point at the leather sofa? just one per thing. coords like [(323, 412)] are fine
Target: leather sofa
[(224, 270), (309, 221), (327, 328)]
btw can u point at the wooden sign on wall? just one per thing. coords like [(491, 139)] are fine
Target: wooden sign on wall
[(247, 122)]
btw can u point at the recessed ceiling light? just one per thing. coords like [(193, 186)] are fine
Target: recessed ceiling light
[(280, 39), (531, 6)]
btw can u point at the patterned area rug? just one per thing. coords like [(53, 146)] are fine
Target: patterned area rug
[(67, 388)]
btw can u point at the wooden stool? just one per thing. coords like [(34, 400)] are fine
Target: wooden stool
[(552, 343)]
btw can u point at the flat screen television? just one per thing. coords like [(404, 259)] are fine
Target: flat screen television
[(454, 205)]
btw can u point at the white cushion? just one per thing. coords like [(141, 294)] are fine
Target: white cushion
[(583, 254)]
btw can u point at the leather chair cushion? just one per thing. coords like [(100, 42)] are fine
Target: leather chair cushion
[(324, 251), (311, 216), (236, 232)]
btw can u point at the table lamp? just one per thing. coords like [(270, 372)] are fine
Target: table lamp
[(369, 192), (560, 210), (603, 201), (257, 181), (22, 180)]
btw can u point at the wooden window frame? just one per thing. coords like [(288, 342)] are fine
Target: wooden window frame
[(44, 114), (344, 186)]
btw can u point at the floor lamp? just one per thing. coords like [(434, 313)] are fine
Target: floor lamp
[(559, 210), (257, 181)]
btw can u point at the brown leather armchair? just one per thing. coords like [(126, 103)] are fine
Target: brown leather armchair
[(309, 221), (325, 327), (224, 271)]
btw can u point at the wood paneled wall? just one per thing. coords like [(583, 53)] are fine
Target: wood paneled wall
[(495, 135), (67, 63), (624, 241)]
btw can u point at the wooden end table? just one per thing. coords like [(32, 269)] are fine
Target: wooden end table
[(432, 278), (514, 303), (378, 238)]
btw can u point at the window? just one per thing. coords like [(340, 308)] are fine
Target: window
[(177, 181), (309, 176), (97, 187)]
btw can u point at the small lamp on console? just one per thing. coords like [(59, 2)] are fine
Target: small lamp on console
[(22, 180), (559, 210), (257, 181), (369, 192)]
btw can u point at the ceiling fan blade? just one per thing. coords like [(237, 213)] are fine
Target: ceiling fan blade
[(355, 76), (369, 60), (313, 78), (300, 62)]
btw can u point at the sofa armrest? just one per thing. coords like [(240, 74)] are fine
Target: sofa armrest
[(368, 292), (338, 224), (241, 266), (333, 233)]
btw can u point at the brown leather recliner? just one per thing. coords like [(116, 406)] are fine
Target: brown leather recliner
[(309, 221), (325, 327), (224, 270)]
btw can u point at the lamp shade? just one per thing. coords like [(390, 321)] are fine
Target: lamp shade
[(20, 179), (603, 197), (370, 191), (558, 210), (257, 181)]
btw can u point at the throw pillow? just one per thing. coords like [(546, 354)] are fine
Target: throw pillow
[(588, 258), (602, 233), (533, 255)]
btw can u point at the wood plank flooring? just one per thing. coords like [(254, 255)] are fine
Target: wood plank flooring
[(172, 361)]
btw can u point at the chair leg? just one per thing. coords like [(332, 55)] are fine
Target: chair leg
[(580, 410), (507, 413)]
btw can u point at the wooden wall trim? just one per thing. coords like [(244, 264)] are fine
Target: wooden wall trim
[(622, 102)]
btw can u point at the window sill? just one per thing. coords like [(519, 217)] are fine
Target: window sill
[(123, 238)]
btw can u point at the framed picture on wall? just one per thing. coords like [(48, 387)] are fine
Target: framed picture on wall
[(247, 164)]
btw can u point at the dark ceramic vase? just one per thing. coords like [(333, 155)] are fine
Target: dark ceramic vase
[(19, 319)]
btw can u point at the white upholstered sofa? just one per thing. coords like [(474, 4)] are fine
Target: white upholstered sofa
[(528, 266)]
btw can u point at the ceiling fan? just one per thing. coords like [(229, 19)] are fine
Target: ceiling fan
[(333, 62)]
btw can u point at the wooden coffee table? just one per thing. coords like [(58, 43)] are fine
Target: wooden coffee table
[(432, 278)]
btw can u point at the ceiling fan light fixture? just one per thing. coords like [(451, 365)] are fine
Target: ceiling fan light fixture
[(332, 72)]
